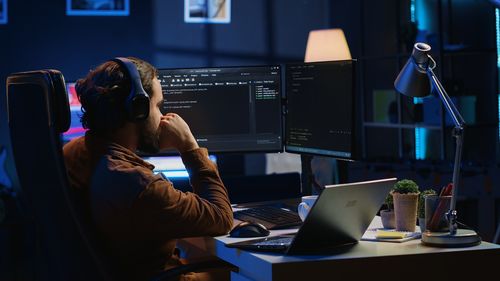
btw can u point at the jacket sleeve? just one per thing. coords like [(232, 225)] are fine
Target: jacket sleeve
[(176, 214)]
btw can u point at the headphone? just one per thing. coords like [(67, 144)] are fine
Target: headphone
[(137, 103)]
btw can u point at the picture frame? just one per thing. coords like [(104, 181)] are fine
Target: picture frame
[(97, 7), (3, 12), (207, 11)]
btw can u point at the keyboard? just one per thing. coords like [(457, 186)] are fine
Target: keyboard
[(278, 244), (269, 216)]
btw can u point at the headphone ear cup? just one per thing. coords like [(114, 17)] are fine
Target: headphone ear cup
[(137, 103), (138, 107)]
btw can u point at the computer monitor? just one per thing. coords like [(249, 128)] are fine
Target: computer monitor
[(229, 109), (171, 167), (320, 116), (75, 129)]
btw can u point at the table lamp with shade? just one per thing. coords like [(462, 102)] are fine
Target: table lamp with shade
[(415, 80), (327, 45)]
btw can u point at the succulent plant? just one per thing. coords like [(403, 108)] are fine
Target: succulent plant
[(389, 201), (405, 186), (421, 201)]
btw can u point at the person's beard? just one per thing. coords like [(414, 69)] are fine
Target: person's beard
[(149, 138)]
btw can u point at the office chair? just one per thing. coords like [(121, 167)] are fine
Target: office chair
[(69, 248)]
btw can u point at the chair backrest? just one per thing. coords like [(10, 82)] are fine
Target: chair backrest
[(38, 112)]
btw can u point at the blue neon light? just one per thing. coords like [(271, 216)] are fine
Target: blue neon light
[(497, 23), (420, 133), (412, 11)]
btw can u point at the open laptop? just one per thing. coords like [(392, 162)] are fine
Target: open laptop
[(340, 216)]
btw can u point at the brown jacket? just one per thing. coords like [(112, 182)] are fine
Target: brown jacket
[(139, 214)]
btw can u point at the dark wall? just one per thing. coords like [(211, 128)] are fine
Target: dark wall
[(40, 35)]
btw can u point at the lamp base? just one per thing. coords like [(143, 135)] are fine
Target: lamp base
[(463, 238)]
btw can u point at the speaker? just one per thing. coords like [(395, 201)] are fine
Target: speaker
[(137, 103)]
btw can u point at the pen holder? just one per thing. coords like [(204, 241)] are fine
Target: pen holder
[(436, 208)]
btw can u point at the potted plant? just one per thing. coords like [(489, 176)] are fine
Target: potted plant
[(421, 207), (388, 219), (405, 195)]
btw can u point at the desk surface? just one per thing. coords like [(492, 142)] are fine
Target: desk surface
[(370, 256)]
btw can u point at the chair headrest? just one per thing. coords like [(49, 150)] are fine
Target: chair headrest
[(57, 97)]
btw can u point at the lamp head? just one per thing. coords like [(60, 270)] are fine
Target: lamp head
[(412, 80)]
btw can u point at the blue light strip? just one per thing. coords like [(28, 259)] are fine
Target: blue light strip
[(420, 133), (497, 23), (412, 11)]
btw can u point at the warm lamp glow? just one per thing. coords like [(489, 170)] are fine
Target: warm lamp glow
[(327, 45)]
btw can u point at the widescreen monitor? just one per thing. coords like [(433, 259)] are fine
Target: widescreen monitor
[(229, 109), (320, 110)]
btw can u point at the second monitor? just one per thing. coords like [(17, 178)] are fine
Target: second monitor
[(229, 109), (320, 115)]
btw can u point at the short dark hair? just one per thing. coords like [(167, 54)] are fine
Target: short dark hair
[(104, 91)]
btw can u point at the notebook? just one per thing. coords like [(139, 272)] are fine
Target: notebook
[(339, 217)]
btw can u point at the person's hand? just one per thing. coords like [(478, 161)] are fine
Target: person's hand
[(175, 133)]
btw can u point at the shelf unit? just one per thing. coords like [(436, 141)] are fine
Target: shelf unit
[(398, 127)]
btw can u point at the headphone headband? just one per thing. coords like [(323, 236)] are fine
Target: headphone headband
[(137, 103)]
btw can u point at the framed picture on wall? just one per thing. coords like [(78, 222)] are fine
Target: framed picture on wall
[(3, 11), (207, 11), (97, 7)]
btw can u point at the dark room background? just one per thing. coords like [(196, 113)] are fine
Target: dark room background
[(380, 34)]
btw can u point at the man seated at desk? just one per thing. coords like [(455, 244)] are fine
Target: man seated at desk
[(139, 214)]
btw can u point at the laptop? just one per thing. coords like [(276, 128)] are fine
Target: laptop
[(339, 217)]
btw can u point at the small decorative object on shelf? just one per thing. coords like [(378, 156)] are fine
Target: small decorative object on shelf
[(405, 195), (421, 207), (388, 218)]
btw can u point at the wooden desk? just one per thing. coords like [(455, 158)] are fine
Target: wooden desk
[(374, 260)]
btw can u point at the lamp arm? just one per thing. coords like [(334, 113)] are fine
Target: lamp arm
[(448, 103), (458, 134)]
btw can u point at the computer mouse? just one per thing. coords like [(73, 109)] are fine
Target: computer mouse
[(249, 229)]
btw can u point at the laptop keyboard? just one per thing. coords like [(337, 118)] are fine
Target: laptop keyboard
[(271, 217), (281, 241)]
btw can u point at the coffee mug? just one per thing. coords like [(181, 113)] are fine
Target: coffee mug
[(306, 205)]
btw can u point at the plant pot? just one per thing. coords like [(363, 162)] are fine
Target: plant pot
[(388, 218), (405, 211)]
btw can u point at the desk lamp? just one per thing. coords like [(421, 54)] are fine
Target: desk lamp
[(415, 80)]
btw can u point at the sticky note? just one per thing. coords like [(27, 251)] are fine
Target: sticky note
[(391, 234)]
